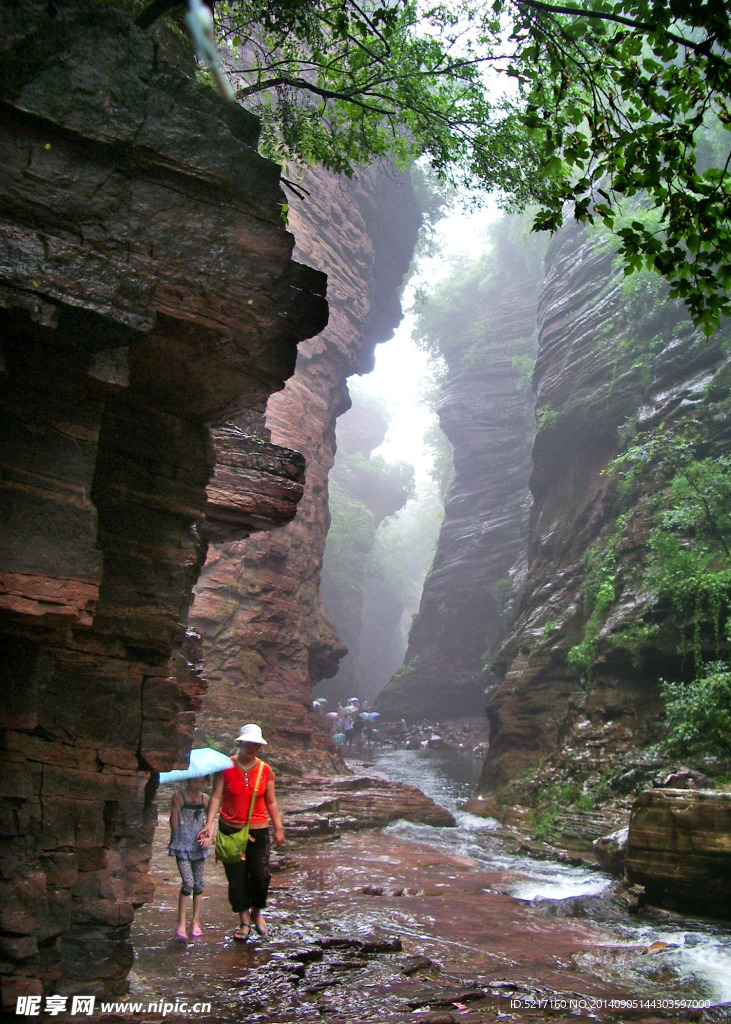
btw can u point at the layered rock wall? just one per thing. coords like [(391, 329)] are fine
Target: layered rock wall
[(267, 636), (610, 362), (679, 848), (147, 291), (485, 409)]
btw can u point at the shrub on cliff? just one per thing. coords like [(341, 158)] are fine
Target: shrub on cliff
[(690, 564), (699, 713), (690, 542)]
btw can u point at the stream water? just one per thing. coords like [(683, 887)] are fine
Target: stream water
[(462, 906), (699, 957)]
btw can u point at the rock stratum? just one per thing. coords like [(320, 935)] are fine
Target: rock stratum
[(611, 364), (485, 409), (150, 305), (267, 637), (679, 848), (573, 699)]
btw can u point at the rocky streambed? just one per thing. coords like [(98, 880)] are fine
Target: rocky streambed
[(368, 925)]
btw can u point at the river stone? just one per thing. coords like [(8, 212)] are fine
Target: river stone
[(679, 848), (610, 852)]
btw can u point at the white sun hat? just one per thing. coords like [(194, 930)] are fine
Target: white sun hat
[(251, 734)]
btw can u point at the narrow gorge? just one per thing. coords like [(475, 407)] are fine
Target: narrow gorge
[(179, 324), (157, 412), (559, 597)]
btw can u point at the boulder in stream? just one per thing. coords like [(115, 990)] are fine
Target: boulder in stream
[(610, 852), (679, 849)]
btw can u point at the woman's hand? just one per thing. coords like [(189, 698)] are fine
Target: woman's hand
[(278, 836), (204, 837)]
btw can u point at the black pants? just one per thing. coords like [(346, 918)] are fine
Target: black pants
[(248, 880)]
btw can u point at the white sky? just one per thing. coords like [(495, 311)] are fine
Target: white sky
[(401, 366)]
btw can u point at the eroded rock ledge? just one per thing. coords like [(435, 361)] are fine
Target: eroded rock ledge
[(267, 637), (330, 805)]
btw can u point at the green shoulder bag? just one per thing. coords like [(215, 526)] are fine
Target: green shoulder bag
[(232, 848)]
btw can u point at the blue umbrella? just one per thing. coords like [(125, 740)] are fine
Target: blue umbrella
[(203, 761), (369, 715)]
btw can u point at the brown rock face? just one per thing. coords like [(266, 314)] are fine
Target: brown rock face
[(147, 289), (603, 364), (266, 635), (485, 412), (679, 848), (331, 805)]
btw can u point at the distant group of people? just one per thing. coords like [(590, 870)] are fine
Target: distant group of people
[(242, 794), (352, 724)]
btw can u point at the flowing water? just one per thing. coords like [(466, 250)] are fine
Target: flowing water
[(560, 931), (698, 954)]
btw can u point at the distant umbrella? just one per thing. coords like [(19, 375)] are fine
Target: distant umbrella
[(353, 700), (370, 716), (339, 737), (319, 700), (350, 710), (332, 714), (203, 761)]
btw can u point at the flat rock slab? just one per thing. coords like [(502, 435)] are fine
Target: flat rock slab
[(327, 804)]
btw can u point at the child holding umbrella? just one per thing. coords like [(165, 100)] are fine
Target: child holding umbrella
[(187, 818)]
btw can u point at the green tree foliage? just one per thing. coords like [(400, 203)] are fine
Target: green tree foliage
[(455, 319), (363, 489), (581, 105), (690, 564), (375, 482), (598, 595), (405, 543), (699, 714), (690, 557), (349, 540), (437, 445)]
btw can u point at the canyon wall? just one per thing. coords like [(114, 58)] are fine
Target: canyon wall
[(485, 409), (147, 294), (267, 638), (579, 690), (549, 609)]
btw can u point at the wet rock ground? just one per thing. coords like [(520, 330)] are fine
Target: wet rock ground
[(367, 927)]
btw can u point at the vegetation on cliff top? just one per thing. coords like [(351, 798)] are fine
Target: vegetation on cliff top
[(458, 320), (578, 104)]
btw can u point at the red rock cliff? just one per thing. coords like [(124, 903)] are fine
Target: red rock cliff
[(147, 291), (266, 635), (608, 362)]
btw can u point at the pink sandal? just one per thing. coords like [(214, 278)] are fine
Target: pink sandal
[(180, 935), (196, 931)]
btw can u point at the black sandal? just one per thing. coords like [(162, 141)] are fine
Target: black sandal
[(242, 933)]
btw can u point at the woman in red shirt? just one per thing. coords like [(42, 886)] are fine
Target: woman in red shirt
[(233, 788)]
